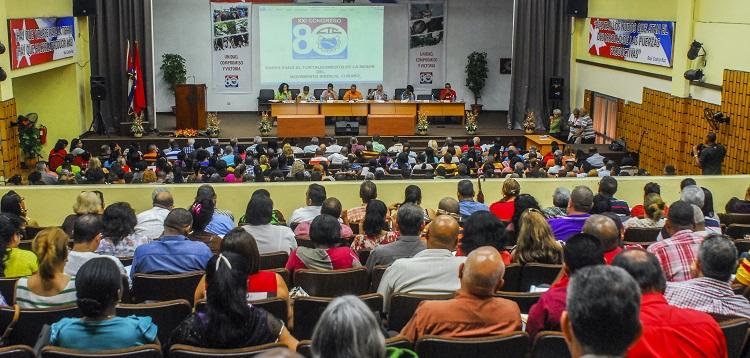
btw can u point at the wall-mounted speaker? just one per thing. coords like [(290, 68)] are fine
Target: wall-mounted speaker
[(556, 88), (578, 8), (84, 7)]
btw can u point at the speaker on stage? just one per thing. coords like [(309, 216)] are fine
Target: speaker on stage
[(84, 7), (578, 8), (556, 87), (347, 128), (98, 88)]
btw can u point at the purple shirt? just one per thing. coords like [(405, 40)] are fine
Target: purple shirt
[(567, 226)]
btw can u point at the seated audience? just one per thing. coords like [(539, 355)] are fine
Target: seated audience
[(607, 190), (432, 270), (605, 229), (667, 331), (601, 318), (580, 251), (314, 199), (677, 253), (693, 194), (331, 206), (229, 321), (329, 252), (98, 288), (580, 203), (639, 211), (270, 238), (560, 204), (151, 222), (14, 262), (710, 290), (367, 191), (221, 221), (86, 239), (50, 286), (87, 202), (483, 228), (408, 244), (348, 328), (202, 212), (503, 209), (12, 203), (173, 252), (739, 206), (375, 229), (467, 205), (118, 232), (654, 213), (474, 312), (535, 242)]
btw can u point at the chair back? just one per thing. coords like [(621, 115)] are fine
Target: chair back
[(738, 231), (642, 234), (307, 312), (512, 277), (31, 232), (8, 289), (731, 218), (376, 277), (342, 92), (284, 274), (304, 348), (265, 95), (304, 241), (17, 351), (31, 321), (273, 260), (537, 274), (25, 245), (524, 299), (126, 261), (735, 333), (403, 306), (514, 344), (276, 306), (144, 351), (397, 93), (742, 245), (167, 315), (363, 255), (333, 283), (318, 92), (184, 351), (436, 92), (151, 287), (295, 93), (424, 97), (549, 344)]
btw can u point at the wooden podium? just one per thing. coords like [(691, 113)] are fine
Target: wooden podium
[(191, 106)]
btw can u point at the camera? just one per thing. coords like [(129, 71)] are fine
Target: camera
[(700, 148)]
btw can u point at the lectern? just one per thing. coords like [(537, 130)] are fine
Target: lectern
[(190, 100)]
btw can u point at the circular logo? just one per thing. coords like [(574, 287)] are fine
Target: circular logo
[(331, 40)]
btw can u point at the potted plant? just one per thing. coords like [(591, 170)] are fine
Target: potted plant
[(137, 126), (471, 122), (29, 138), (476, 77), (173, 71), (529, 123), (213, 127), (265, 124), (422, 123)]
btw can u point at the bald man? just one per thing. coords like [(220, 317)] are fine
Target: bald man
[(151, 222), (604, 229), (449, 206), (432, 270), (474, 312)]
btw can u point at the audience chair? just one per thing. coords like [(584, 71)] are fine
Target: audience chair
[(273, 260), (126, 261), (284, 274), (736, 334), (166, 315), (31, 232), (641, 234), (17, 351), (184, 351), (8, 289), (276, 306), (304, 346), (376, 277), (307, 312), (151, 287), (25, 245), (514, 344), (536, 274), (403, 306), (363, 255), (738, 231), (126, 297), (550, 344), (304, 241), (742, 245), (31, 321), (397, 93), (524, 299), (144, 351), (333, 283), (512, 277), (264, 96), (729, 218)]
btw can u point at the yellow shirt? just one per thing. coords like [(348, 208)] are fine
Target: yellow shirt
[(349, 95), (20, 263)]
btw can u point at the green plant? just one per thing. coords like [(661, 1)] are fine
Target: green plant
[(28, 136), (173, 70), (476, 73)]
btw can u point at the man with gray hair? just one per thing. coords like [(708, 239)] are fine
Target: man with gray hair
[(151, 222), (580, 203), (312, 147), (190, 147), (256, 141), (228, 156), (560, 199), (695, 195), (410, 220), (710, 291), (48, 177)]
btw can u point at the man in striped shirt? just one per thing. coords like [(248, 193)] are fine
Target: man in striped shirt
[(677, 253)]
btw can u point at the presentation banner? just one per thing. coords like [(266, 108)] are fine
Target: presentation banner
[(231, 56), (642, 41), (40, 40), (427, 44)]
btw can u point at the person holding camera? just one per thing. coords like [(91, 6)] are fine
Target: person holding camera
[(709, 156)]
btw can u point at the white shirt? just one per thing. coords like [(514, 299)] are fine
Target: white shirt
[(76, 259), (336, 158), (311, 148), (396, 148), (333, 148), (272, 238), (151, 222), (306, 213)]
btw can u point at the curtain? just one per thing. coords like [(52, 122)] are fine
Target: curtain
[(541, 50), (116, 22)]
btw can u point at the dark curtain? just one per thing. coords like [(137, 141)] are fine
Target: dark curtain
[(541, 50), (116, 22)]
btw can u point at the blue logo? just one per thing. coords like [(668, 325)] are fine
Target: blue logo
[(319, 38)]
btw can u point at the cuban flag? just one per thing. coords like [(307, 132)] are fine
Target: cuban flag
[(38, 40), (136, 93)]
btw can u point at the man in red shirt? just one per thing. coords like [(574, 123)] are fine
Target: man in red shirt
[(668, 331), (447, 93)]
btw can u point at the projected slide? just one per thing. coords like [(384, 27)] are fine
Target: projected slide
[(321, 44)]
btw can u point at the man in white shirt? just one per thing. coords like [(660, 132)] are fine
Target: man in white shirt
[(151, 221), (397, 147), (333, 146), (86, 237), (313, 146), (314, 197), (432, 270), (338, 157)]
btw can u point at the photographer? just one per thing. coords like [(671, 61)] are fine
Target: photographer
[(709, 156)]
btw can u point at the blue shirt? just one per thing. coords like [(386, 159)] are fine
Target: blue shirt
[(565, 227), (468, 207), (170, 254), (220, 224), (229, 159), (113, 333)]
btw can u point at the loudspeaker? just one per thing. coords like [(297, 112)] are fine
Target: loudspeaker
[(556, 86), (98, 88), (347, 128), (578, 8), (84, 7)]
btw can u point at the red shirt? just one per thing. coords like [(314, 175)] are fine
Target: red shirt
[(669, 331), (545, 313), (447, 94), (504, 210), (639, 212), (610, 255), (262, 282)]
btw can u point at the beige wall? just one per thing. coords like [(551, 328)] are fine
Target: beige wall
[(50, 204)]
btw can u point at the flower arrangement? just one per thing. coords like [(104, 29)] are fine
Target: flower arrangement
[(213, 125), (137, 127), (265, 124), (422, 123), (187, 133), (529, 123), (29, 136), (471, 122)]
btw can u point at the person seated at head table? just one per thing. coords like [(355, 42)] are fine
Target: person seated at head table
[(408, 94), (306, 95), (329, 94), (352, 94), (283, 94), (447, 93), (378, 94)]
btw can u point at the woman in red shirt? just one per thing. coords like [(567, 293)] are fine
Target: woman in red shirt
[(329, 253), (57, 154), (504, 208)]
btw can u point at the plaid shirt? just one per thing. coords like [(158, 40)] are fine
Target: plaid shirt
[(677, 253), (188, 149), (708, 295)]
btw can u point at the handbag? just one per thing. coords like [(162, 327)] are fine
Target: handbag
[(4, 339)]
